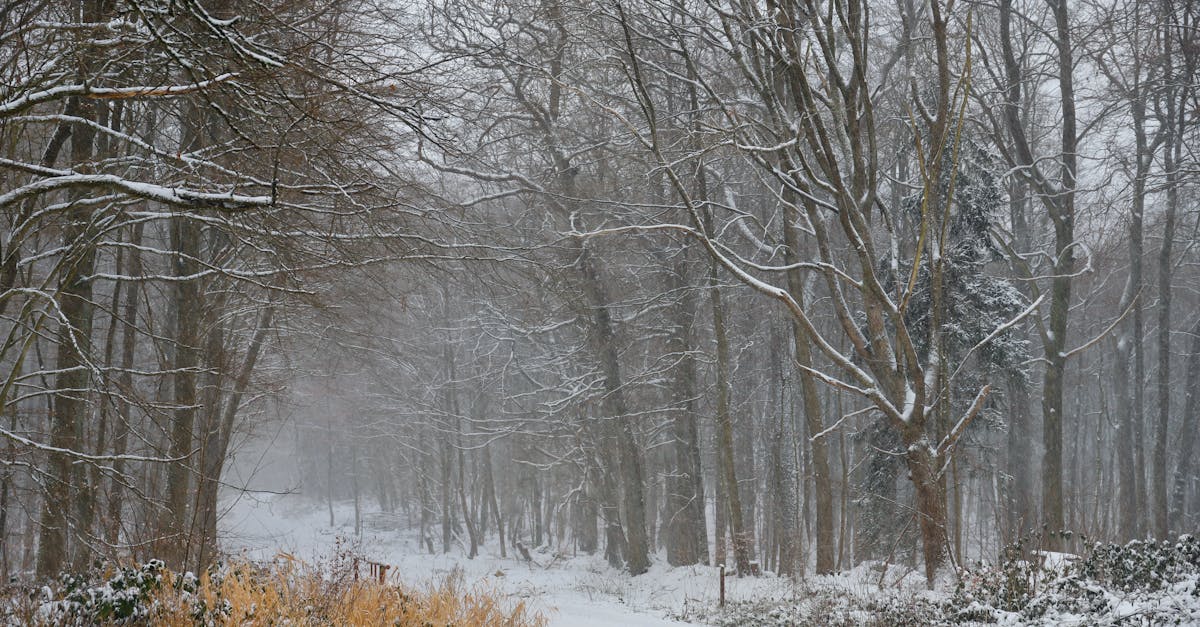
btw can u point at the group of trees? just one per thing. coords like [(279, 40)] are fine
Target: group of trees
[(774, 282), (176, 180)]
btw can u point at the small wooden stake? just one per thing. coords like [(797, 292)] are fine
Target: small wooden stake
[(377, 571)]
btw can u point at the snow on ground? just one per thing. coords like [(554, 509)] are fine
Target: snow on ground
[(583, 591), (578, 590)]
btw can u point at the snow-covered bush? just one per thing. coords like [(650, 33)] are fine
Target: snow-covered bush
[(1139, 583), (1008, 585), (93, 598), (1143, 565), (1142, 582)]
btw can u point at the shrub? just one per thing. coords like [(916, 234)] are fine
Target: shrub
[(1138, 581), (1008, 585), (124, 596), (1142, 565)]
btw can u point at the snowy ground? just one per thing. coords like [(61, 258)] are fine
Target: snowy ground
[(570, 590), (584, 591)]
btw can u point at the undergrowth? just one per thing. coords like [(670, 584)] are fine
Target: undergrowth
[(1139, 583), (285, 592)]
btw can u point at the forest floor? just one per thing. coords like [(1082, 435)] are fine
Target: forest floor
[(1138, 584), (579, 590)]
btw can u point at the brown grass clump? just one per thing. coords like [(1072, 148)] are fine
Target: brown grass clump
[(289, 592), (292, 594)]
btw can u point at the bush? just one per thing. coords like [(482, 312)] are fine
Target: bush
[(1008, 585), (122, 597), (1142, 565), (1139, 583), (1114, 583)]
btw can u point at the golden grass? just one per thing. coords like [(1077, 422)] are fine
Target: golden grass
[(290, 592), (293, 594)]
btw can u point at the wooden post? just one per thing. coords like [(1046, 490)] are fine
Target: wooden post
[(375, 571), (722, 585)]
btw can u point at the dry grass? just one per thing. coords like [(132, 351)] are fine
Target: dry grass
[(290, 592)]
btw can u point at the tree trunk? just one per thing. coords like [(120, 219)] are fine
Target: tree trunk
[(1059, 201), (1062, 213), (89, 476), (822, 479), (687, 535), (1173, 157), (358, 526), (125, 388), (613, 404), (188, 310), (74, 341), (609, 495), (462, 497), (208, 435), (6, 485), (923, 466), (217, 447), (1020, 506), (1021, 492), (585, 524), (445, 463), (785, 512), (737, 530), (1187, 438), (1127, 499), (720, 516), (185, 241), (75, 331), (743, 442), (1135, 416)]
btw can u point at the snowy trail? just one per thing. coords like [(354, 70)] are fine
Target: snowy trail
[(570, 590)]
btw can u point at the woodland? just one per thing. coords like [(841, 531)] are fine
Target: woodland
[(787, 285)]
